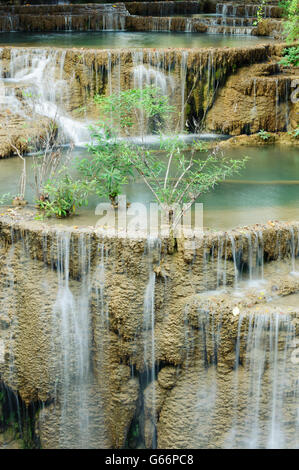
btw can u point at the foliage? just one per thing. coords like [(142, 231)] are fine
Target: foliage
[(294, 133), (47, 163), (183, 175), (133, 106), (261, 12), (291, 23), (109, 168), (264, 134), (111, 164), (62, 194), (177, 176), (291, 56), (202, 146)]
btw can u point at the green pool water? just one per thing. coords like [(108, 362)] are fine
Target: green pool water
[(268, 189), (127, 40)]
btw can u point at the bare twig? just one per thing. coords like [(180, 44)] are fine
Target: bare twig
[(22, 183)]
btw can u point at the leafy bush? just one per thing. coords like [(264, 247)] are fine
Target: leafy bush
[(264, 134), (109, 168), (62, 195), (294, 133), (261, 12), (174, 176), (291, 23), (111, 164), (291, 56)]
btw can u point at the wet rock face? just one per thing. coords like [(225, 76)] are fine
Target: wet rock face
[(253, 140), (224, 400), (15, 133), (144, 16), (269, 27), (133, 320), (63, 17), (253, 98), (168, 8), (216, 81)]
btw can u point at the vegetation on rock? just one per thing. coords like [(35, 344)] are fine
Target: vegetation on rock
[(264, 134), (290, 56), (291, 31), (62, 195)]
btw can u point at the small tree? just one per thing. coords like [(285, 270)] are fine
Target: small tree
[(177, 174), (112, 155), (260, 12), (109, 168), (63, 194)]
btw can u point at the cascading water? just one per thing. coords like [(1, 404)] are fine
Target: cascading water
[(265, 420), (234, 364), (183, 87), (78, 406), (239, 261), (40, 82), (39, 74), (71, 316), (153, 249), (151, 73)]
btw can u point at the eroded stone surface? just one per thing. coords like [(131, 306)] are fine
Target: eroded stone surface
[(196, 332)]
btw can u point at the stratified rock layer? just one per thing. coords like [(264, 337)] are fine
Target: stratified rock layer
[(232, 91), (193, 343)]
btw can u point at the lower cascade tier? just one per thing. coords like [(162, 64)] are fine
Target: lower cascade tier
[(110, 342)]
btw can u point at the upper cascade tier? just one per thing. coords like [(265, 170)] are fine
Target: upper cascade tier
[(202, 17), (60, 84)]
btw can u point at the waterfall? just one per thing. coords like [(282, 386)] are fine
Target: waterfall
[(263, 419), (255, 257), (238, 260), (287, 112), (234, 254), (276, 104), (254, 109), (149, 324), (229, 361), (150, 71), (44, 82), (183, 87), (78, 403), (188, 28), (72, 325), (152, 247), (36, 70), (8, 309)]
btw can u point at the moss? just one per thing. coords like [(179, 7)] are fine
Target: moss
[(17, 421)]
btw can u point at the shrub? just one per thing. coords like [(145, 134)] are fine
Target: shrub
[(264, 134), (61, 196), (291, 23), (290, 56), (178, 175)]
